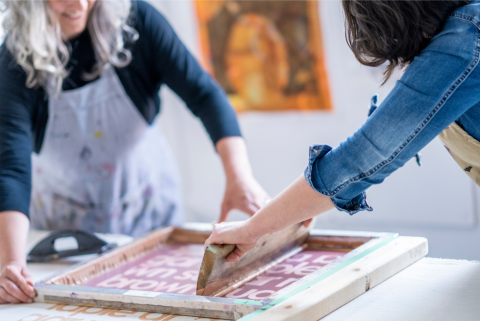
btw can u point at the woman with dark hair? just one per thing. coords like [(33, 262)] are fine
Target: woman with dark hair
[(439, 95)]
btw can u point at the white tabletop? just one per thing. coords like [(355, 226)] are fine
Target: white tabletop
[(431, 289)]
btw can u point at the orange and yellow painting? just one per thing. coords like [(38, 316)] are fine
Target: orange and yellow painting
[(267, 55)]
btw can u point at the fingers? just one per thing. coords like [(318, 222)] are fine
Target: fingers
[(224, 214), (252, 208), (307, 223), (211, 238), (232, 233), (26, 274), (27, 286), (7, 298), (13, 290), (19, 280), (235, 256), (248, 207), (207, 243), (14, 286)]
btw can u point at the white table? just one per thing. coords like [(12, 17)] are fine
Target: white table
[(431, 289)]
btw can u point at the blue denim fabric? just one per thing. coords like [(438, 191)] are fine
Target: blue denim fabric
[(441, 85)]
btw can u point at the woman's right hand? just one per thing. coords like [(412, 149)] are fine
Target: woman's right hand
[(237, 233), (16, 284)]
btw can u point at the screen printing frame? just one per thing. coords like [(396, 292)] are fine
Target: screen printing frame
[(65, 287)]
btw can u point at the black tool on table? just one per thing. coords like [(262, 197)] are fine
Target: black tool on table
[(88, 243), (373, 107)]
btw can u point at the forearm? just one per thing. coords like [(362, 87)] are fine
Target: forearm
[(13, 236), (295, 204), (233, 153)]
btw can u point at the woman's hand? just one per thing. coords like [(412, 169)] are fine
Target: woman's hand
[(242, 191), (244, 194), (298, 203), (237, 233), (16, 284)]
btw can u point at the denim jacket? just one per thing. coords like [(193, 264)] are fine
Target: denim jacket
[(441, 86)]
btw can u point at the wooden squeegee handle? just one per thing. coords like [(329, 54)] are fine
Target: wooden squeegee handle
[(218, 277)]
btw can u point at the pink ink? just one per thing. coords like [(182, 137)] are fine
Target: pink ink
[(171, 269), (284, 274), (174, 269)]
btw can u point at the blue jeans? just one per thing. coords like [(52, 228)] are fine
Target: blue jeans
[(441, 86)]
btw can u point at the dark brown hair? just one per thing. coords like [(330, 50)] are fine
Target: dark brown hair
[(395, 31)]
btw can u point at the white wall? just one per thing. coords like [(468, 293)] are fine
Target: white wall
[(437, 201)]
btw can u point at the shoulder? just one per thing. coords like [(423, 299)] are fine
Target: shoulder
[(156, 36), (460, 35), (12, 82), (148, 19), (11, 74), (469, 13), (8, 65)]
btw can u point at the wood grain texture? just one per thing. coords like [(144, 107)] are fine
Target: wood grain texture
[(335, 243), (345, 285), (188, 236), (200, 307), (216, 275), (221, 307), (443, 290), (129, 253), (116, 258)]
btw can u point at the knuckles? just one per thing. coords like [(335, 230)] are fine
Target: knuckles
[(9, 270), (9, 287)]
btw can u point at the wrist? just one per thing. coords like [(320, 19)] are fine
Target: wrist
[(235, 176), (233, 153), (17, 262), (250, 230)]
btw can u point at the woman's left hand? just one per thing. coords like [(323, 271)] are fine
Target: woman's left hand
[(244, 194)]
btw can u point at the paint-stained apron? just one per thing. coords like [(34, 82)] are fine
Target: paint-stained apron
[(464, 149), (102, 168)]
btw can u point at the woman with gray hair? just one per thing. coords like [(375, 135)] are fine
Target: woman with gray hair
[(79, 83)]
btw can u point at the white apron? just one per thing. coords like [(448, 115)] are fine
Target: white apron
[(102, 168)]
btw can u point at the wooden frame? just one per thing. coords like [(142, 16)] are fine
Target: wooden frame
[(371, 258)]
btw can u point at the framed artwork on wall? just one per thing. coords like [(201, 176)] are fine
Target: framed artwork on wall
[(266, 55)]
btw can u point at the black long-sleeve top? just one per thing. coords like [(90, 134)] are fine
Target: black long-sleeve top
[(159, 57)]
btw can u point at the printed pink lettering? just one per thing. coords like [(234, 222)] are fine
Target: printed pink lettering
[(286, 282), (141, 271), (144, 285), (259, 295), (300, 257), (188, 275), (174, 287), (325, 259), (116, 282), (235, 294)]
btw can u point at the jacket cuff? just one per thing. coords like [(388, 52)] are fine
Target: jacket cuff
[(351, 206)]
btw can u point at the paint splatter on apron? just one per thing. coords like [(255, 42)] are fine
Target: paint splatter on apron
[(102, 168), (464, 149)]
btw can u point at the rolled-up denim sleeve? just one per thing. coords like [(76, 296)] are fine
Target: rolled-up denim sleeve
[(440, 85)]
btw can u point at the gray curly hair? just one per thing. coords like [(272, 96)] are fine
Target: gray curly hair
[(34, 38)]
